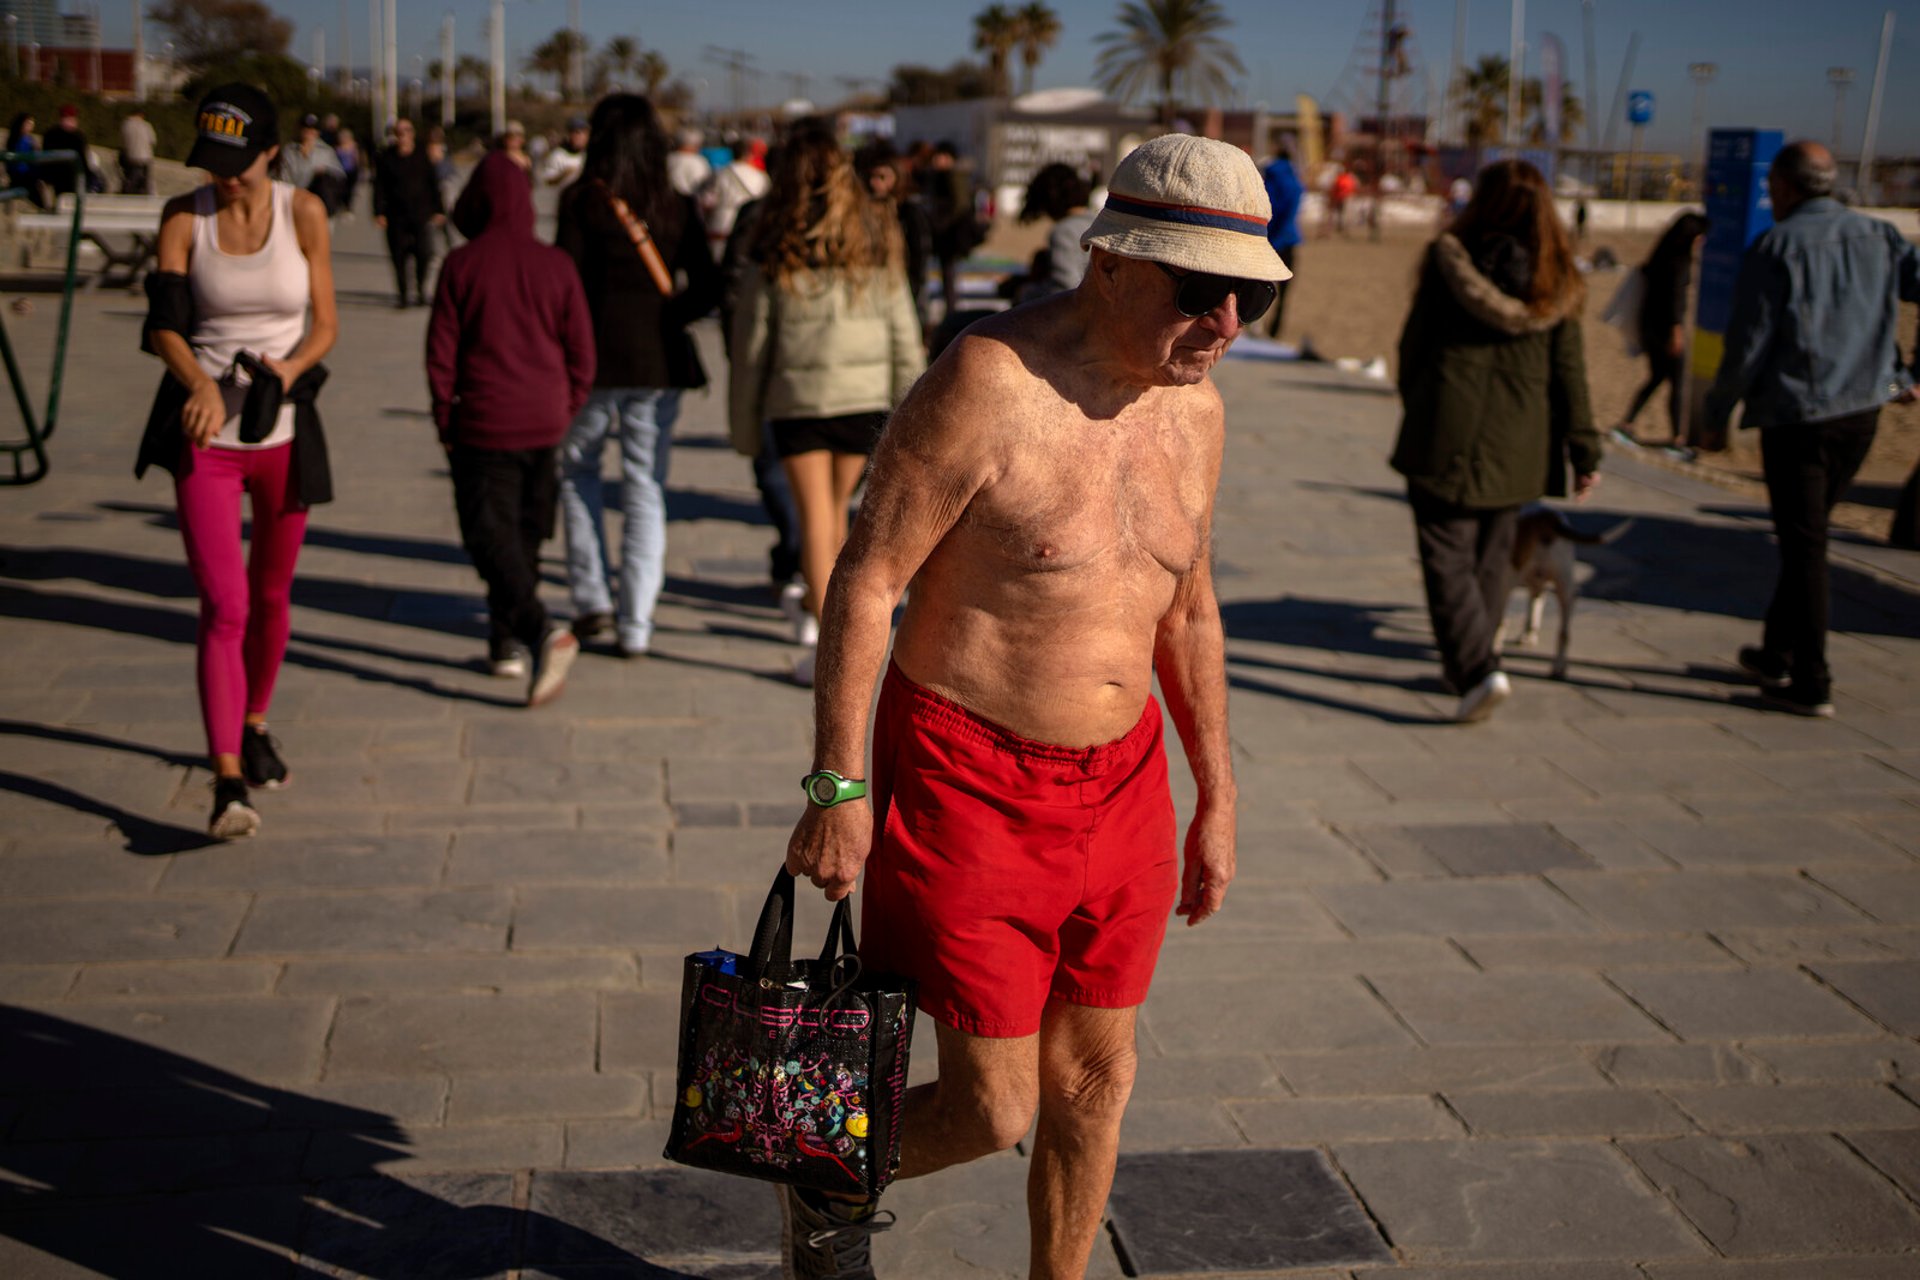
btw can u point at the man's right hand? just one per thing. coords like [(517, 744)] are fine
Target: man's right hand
[(830, 846), (380, 222)]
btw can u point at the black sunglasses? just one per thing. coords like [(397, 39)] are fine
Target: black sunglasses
[(1200, 292)]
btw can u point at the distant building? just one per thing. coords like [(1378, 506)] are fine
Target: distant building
[(34, 20), (79, 29), (72, 66)]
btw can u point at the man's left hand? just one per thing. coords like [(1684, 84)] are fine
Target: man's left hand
[(1209, 865)]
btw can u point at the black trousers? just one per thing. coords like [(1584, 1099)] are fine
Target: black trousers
[(1906, 516), (410, 241), (1274, 317), (505, 499), (1808, 467), (1662, 366), (1465, 558)]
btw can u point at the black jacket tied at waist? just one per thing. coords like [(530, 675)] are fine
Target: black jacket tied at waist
[(312, 473), (170, 309)]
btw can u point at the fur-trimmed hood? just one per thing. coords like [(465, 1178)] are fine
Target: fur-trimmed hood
[(1486, 301)]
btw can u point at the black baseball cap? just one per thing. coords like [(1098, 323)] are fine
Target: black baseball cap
[(236, 122)]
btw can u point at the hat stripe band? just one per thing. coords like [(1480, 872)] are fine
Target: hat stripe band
[(1189, 215)]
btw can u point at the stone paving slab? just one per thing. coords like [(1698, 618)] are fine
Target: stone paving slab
[(1501, 1200), (1793, 1194)]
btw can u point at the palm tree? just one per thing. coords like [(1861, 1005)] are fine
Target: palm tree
[(554, 56), (1481, 96), (620, 57), (995, 33), (1039, 27), (653, 71), (1573, 114), (1166, 44)]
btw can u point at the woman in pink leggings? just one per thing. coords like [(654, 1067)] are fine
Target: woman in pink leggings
[(241, 261)]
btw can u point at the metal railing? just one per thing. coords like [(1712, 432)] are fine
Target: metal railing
[(28, 457)]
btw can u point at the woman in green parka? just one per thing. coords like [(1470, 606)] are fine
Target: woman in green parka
[(1494, 386)]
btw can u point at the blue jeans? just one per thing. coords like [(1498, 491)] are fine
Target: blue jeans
[(643, 418)]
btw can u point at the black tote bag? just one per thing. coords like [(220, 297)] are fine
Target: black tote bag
[(792, 1071)]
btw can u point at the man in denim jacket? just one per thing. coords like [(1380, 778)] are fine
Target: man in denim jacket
[(1810, 349)]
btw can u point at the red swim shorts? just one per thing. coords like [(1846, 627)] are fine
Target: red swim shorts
[(1005, 871)]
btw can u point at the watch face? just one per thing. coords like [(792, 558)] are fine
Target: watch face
[(823, 790)]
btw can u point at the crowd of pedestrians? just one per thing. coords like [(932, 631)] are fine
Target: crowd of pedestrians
[(1053, 582)]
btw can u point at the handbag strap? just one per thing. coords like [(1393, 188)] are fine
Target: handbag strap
[(643, 244), (773, 935)]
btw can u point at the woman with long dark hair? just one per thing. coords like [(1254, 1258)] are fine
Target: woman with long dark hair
[(622, 201), (825, 342), (242, 311), (1667, 275), (1494, 384)]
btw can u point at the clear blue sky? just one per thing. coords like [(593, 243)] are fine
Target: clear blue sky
[(1773, 54)]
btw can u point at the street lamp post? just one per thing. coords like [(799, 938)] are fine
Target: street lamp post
[(446, 70), (497, 33), (1702, 75), (1841, 78)]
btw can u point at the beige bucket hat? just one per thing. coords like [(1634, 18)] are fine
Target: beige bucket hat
[(1193, 203)]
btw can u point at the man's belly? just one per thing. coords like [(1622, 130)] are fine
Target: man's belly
[(1074, 682)]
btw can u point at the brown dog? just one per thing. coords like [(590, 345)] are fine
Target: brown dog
[(1543, 560)]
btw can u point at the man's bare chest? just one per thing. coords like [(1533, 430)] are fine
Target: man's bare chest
[(1128, 512)]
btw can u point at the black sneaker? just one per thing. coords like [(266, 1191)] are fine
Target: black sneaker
[(260, 760), (822, 1239), (1801, 702), (1767, 668), (591, 626), (233, 817)]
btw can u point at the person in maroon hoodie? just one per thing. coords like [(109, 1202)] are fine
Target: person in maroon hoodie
[(510, 360)]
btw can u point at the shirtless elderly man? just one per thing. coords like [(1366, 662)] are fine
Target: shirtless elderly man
[(1047, 490)]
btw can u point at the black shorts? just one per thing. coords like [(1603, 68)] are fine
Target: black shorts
[(848, 433)]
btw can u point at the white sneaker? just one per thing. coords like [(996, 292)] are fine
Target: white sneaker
[(803, 669), (550, 666), (1481, 700), (793, 604), (511, 667)]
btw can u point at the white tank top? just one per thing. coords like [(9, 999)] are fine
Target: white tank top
[(255, 302)]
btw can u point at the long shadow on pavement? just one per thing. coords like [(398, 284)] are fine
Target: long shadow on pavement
[(177, 627), (131, 1160), (145, 836)]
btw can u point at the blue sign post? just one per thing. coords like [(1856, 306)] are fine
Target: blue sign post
[(1639, 115), (1740, 210)]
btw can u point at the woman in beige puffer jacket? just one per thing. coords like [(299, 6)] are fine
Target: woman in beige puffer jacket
[(824, 343)]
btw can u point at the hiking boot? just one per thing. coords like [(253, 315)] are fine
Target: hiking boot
[(1767, 668), (550, 666), (260, 761), (823, 1239), (1480, 701), (233, 817), (1797, 700)]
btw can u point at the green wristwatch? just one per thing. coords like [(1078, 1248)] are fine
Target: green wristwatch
[(827, 788)]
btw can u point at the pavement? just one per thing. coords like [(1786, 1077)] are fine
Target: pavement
[(1622, 985)]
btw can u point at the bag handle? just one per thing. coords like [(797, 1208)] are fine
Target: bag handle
[(773, 937), (642, 241)]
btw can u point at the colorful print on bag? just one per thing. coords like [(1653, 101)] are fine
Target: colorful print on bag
[(792, 1071)]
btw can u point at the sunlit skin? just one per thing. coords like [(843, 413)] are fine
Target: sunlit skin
[(243, 221), (1047, 490)]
